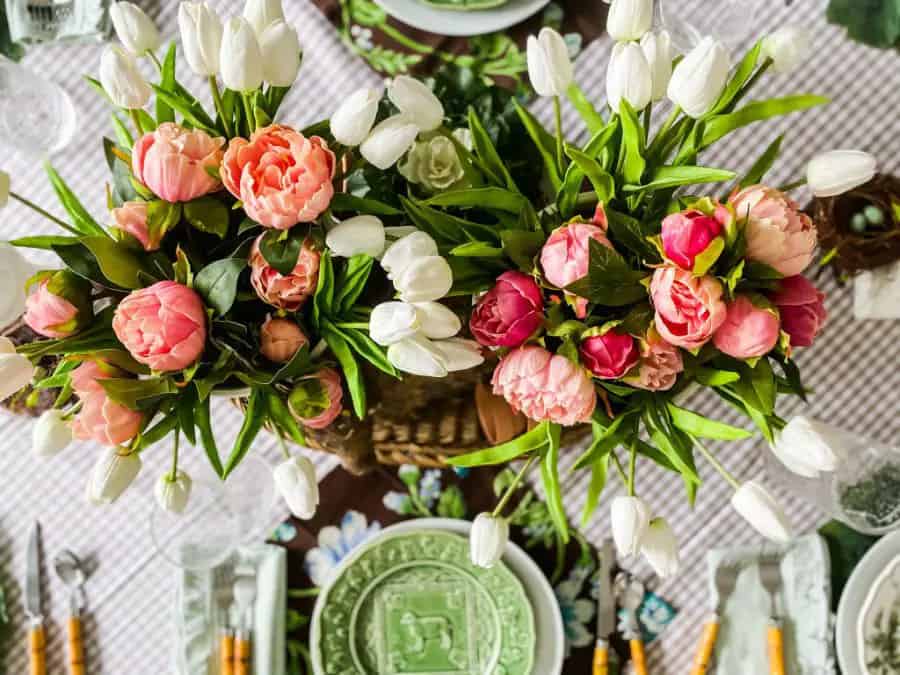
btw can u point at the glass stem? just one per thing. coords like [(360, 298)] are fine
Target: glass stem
[(717, 465), (512, 486), (37, 209)]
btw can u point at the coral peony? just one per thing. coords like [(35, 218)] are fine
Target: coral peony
[(101, 419), (750, 329), (60, 306), (610, 355), (174, 162), (289, 291), (689, 309), (162, 326), (509, 313), (660, 364), (279, 340), (282, 177), (545, 386), (131, 218), (316, 399), (566, 255), (694, 239), (802, 308)]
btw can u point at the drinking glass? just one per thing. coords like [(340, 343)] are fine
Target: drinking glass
[(35, 21), (730, 21)]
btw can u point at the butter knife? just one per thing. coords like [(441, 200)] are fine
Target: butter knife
[(604, 657), (37, 640)]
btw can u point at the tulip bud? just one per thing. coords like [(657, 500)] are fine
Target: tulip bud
[(121, 79), (280, 48), (700, 78), (760, 509), (630, 520), (629, 19), (628, 77), (4, 188), (549, 66), (392, 322), (388, 141), (134, 29), (114, 470), (295, 479), (839, 171), (787, 47), (437, 321), (51, 433), (417, 356), (657, 48), (16, 371), (660, 548), (416, 102), (16, 271), (260, 14), (353, 120), (459, 353), (201, 35), (428, 278), (172, 492), (359, 235), (808, 447), (405, 250), (240, 57), (488, 539)]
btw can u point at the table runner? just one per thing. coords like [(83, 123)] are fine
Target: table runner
[(853, 368)]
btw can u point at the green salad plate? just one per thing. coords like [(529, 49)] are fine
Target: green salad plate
[(412, 603)]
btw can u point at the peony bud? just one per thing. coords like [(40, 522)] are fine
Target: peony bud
[(802, 309), (839, 171), (459, 353), (760, 509), (437, 321), (700, 77), (751, 328), (488, 539), (549, 66), (809, 447), (260, 14), (629, 19), (121, 79), (60, 305), (240, 57), (280, 49), (609, 355), (628, 77), (16, 271), (4, 188), (388, 141), (16, 371), (694, 238), (359, 235), (134, 28), (660, 548), (405, 250), (280, 340), (630, 520), (295, 479), (353, 119), (392, 322), (115, 469), (657, 48), (787, 47), (172, 492), (51, 433), (427, 278), (416, 102), (201, 35), (418, 356)]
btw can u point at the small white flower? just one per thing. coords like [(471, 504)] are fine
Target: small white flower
[(549, 66), (16, 371), (657, 48), (630, 520), (280, 49), (628, 77), (173, 492), (787, 47), (437, 321), (113, 472), (134, 28), (353, 120), (295, 479), (389, 140), (417, 355), (839, 171), (488, 540), (426, 278), (762, 511), (260, 14), (201, 36), (809, 447), (629, 19), (700, 77), (16, 272), (122, 80), (359, 235), (660, 548), (51, 433), (459, 353), (392, 322), (240, 56), (405, 250), (416, 102)]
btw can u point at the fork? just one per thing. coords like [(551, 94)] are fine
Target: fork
[(770, 577), (223, 583), (244, 598), (726, 580)]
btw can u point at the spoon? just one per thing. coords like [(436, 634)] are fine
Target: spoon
[(70, 571)]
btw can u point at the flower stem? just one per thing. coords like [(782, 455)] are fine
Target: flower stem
[(281, 444), (155, 60), (136, 120), (632, 466), (648, 117), (37, 209), (248, 111), (664, 129), (557, 115), (220, 106), (620, 468), (792, 186), (512, 486), (174, 472), (717, 465)]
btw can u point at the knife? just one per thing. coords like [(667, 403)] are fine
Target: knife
[(606, 610), (37, 640)]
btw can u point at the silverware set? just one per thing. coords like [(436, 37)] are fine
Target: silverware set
[(234, 597)]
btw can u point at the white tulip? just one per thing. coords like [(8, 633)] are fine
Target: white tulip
[(353, 119), (416, 102), (392, 322), (114, 470), (260, 14), (760, 509), (201, 35), (437, 321), (16, 371), (660, 548), (630, 520), (295, 479), (428, 278), (459, 353), (628, 77), (359, 235), (417, 356), (172, 493), (839, 171), (134, 28), (4, 188), (121, 79), (16, 271), (388, 141), (629, 19), (657, 48), (240, 57), (280, 48), (787, 47), (700, 77), (405, 250), (51, 433), (549, 66), (808, 447), (488, 539)]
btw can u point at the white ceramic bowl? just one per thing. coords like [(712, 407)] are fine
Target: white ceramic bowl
[(550, 648), (458, 22)]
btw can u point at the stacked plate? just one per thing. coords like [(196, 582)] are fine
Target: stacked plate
[(445, 18), (410, 601)]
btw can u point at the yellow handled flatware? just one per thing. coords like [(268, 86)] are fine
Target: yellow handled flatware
[(601, 657), (226, 653), (37, 648), (706, 647), (606, 608), (76, 647), (243, 653), (638, 660), (37, 638), (775, 639), (770, 577), (70, 571)]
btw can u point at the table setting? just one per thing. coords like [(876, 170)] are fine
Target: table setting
[(461, 337)]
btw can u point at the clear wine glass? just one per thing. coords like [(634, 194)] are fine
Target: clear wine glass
[(730, 21)]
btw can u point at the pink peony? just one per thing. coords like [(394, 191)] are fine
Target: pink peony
[(689, 309), (566, 255), (173, 162), (290, 291), (101, 419), (280, 339), (802, 308), (509, 313), (162, 326), (545, 386), (131, 217), (693, 240), (659, 366), (60, 305), (778, 234), (610, 355), (282, 177), (316, 399), (750, 328)]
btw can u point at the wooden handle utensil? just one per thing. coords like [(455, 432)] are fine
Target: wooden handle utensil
[(601, 658), (226, 654), (242, 655), (638, 660), (76, 647), (775, 639), (37, 647), (706, 647)]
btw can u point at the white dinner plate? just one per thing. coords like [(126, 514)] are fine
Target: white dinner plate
[(461, 22)]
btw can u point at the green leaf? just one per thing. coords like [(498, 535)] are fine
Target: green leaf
[(350, 370), (609, 281), (183, 106), (720, 125), (279, 413), (160, 430), (444, 227), (323, 300), (367, 348), (344, 201), (632, 234), (711, 377), (253, 420), (477, 249), (633, 142), (672, 176), (134, 393), (545, 143), (281, 249), (122, 189), (162, 217), (873, 22), (481, 198), (185, 406), (593, 120), (599, 472), (762, 165), (763, 381), (45, 242), (677, 449), (500, 454), (351, 282), (550, 479), (208, 214), (217, 283), (123, 135), (204, 426), (741, 74), (697, 425), (522, 247), (164, 112), (81, 219), (487, 153), (605, 440), (119, 264), (603, 183)]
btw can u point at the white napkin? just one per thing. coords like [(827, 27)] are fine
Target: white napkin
[(875, 293)]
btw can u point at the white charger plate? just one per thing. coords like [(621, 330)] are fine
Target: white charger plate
[(461, 22)]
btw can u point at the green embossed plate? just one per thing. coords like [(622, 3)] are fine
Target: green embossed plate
[(413, 604), (446, 19)]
